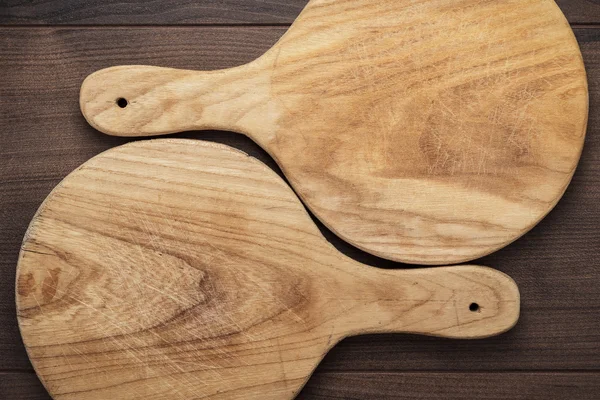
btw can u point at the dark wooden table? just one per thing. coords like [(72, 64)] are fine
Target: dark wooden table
[(47, 47)]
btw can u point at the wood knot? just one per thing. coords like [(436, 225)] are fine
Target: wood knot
[(25, 284)]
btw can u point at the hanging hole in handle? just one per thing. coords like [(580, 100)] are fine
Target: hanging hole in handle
[(474, 307), (121, 102)]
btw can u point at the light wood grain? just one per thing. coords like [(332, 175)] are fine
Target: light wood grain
[(425, 132), (179, 269)]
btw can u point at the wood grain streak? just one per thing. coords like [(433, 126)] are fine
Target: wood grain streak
[(424, 132)]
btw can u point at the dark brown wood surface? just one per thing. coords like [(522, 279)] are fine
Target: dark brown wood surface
[(553, 353), (194, 12)]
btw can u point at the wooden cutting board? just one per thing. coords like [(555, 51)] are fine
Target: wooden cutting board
[(177, 269), (429, 132)]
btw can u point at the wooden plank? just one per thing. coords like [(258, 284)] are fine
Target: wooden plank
[(178, 12), (581, 11), (397, 385), (45, 138), (452, 386), (189, 12), (22, 386)]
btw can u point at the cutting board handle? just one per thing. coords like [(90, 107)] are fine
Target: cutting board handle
[(462, 302), (135, 100)]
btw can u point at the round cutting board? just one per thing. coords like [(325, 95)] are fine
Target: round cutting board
[(178, 270), (428, 132)]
